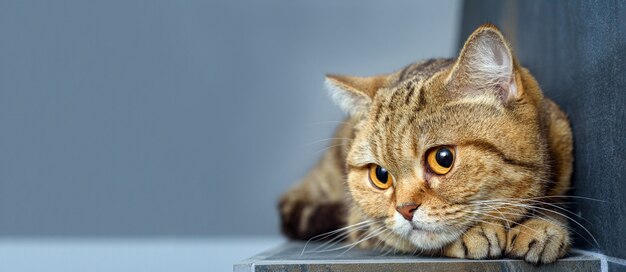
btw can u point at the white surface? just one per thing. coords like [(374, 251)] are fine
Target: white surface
[(117, 254)]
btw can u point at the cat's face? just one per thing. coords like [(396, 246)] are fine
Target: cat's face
[(435, 153)]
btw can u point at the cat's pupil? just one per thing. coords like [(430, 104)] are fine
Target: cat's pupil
[(382, 174), (444, 157)]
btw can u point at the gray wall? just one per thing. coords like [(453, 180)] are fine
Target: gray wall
[(577, 52), (124, 118)]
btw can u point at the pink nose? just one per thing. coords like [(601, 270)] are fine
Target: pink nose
[(407, 210)]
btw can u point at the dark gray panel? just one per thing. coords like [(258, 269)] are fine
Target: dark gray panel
[(617, 266), (577, 52)]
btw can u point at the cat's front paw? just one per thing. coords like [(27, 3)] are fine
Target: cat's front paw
[(485, 240), (538, 241)]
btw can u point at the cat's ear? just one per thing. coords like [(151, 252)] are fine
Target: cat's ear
[(354, 94), (486, 65)]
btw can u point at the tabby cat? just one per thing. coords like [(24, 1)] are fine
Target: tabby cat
[(456, 157)]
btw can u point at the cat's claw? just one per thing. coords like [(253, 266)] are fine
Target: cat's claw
[(538, 241), (485, 240)]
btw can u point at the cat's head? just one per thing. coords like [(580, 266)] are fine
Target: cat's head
[(439, 143)]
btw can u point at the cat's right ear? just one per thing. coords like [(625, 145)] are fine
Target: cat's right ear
[(354, 94), (486, 65)]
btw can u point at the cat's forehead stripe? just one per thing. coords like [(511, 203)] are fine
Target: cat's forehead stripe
[(398, 128), (396, 119)]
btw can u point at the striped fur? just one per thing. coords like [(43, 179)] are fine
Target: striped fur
[(513, 146)]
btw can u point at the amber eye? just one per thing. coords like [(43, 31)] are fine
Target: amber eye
[(380, 177), (440, 159)]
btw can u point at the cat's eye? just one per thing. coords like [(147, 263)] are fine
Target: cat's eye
[(440, 159), (380, 177)]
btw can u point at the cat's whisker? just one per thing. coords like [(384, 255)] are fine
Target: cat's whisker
[(339, 239), (362, 238), (527, 230), (376, 233), (383, 239), (556, 222), (496, 201), (559, 197), (341, 229), (329, 147), (516, 213), (336, 240), (391, 249), (388, 251), (545, 217), (415, 251), (507, 222), (328, 234), (556, 212), (327, 139), (504, 219), (548, 204), (502, 213), (480, 208), (346, 233), (533, 207), (517, 199), (495, 224)]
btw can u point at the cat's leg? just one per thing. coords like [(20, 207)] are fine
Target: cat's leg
[(482, 241), (541, 239), (317, 204)]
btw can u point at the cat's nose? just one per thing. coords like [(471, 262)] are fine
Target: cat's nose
[(407, 210)]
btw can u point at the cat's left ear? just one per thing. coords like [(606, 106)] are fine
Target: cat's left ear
[(486, 65), (354, 94)]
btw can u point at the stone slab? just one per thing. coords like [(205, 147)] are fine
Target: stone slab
[(290, 257)]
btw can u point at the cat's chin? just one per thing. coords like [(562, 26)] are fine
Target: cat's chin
[(426, 239)]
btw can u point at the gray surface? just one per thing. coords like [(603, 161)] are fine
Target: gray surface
[(617, 266), (577, 51), (132, 255), (289, 257), (181, 118)]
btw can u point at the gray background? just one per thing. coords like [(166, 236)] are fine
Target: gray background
[(181, 118), (577, 52)]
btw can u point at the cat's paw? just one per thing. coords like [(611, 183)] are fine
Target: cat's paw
[(485, 240), (538, 241)]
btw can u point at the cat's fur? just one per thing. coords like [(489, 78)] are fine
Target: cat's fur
[(513, 160)]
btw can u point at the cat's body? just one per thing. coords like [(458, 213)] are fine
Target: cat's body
[(386, 175)]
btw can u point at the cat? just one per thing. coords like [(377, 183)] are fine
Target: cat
[(456, 157)]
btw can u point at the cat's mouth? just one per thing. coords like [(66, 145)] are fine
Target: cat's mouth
[(424, 234), (422, 229), (418, 230), (430, 238)]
